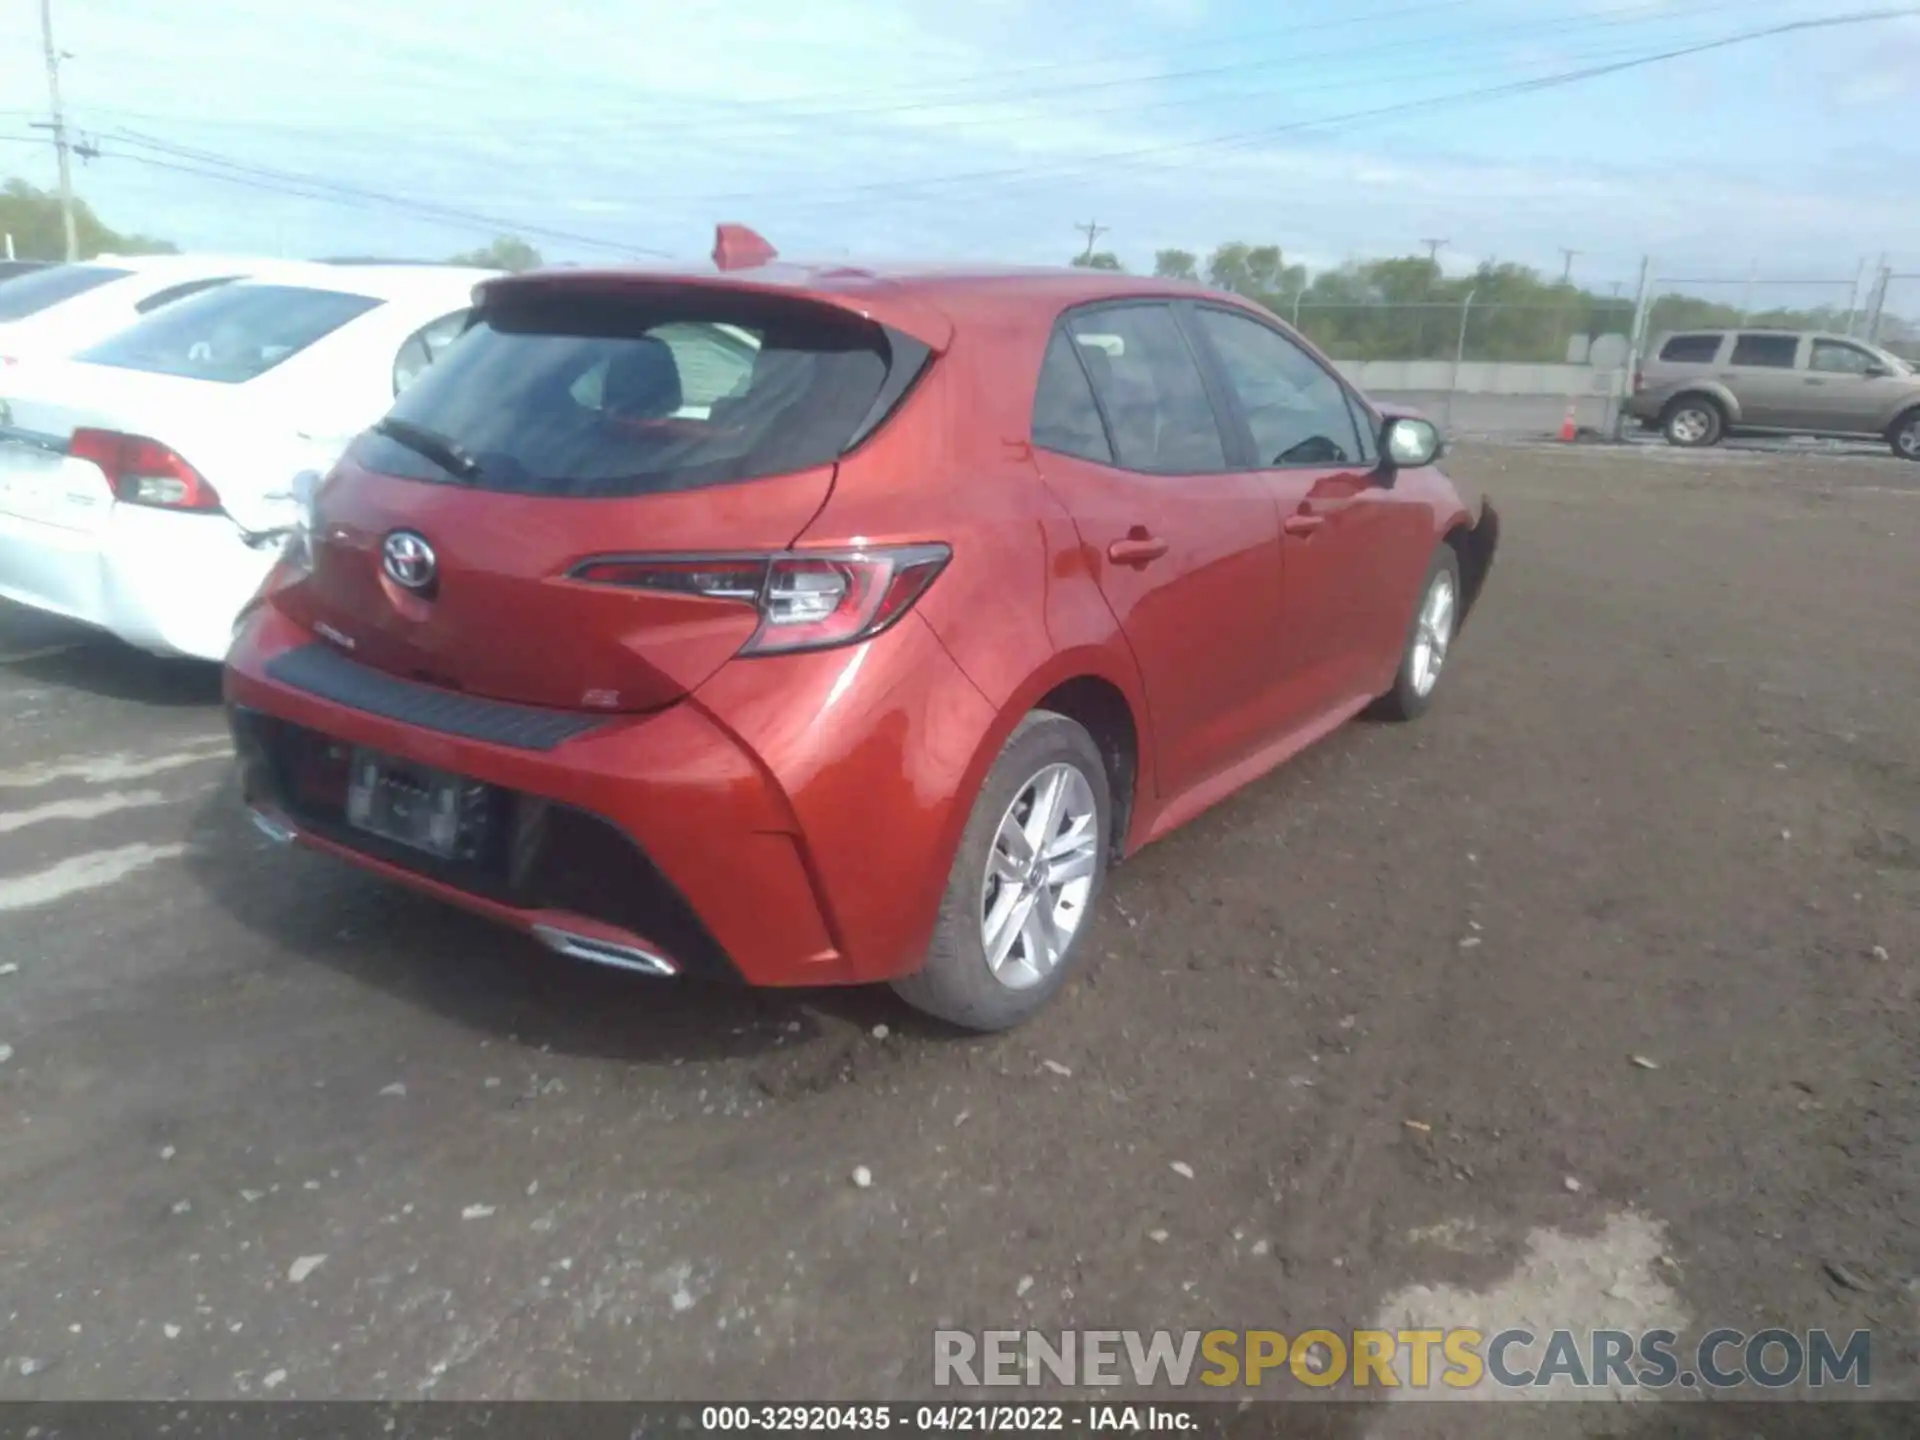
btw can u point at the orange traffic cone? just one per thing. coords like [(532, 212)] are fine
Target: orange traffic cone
[(1567, 428)]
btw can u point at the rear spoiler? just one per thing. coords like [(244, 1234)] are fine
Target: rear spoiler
[(744, 266)]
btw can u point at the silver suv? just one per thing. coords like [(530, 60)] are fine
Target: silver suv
[(1700, 385)]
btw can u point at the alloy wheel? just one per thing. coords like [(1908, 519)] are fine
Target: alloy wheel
[(1039, 878), (1433, 632), (1690, 426)]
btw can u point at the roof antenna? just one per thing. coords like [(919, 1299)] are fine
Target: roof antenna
[(735, 247)]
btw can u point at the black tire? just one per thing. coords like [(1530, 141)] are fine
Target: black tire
[(1408, 700), (1693, 421), (956, 983), (1903, 436)]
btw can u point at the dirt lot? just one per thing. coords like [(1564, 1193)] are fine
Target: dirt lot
[(270, 1128)]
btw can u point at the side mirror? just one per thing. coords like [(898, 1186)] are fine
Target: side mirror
[(1407, 443), (1876, 372)]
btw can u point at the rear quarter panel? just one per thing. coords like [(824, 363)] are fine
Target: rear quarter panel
[(1017, 607)]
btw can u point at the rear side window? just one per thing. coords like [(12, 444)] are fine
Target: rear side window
[(28, 294), (1774, 351), (1065, 419), (598, 396), (1151, 390), (1691, 349), (424, 346), (230, 334)]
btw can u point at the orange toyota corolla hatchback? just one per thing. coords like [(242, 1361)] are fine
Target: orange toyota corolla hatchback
[(816, 626)]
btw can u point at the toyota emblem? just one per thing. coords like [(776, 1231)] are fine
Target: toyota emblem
[(408, 560)]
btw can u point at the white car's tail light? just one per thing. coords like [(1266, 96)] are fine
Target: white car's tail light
[(143, 471), (808, 600)]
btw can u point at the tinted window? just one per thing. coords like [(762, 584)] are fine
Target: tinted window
[(588, 396), (1838, 358), (1064, 415), (1296, 410), (27, 294), (230, 334), (1776, 351), (180, 292), (424, 346), (716, 361), (1691, 349), (1151, 390)]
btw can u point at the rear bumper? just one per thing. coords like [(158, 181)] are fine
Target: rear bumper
[(713, 834), (165, 582)]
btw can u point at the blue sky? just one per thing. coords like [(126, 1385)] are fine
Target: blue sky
[(989, 128)]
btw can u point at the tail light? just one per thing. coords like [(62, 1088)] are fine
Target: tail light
[(807, 599), (1639, 381), (143, 471)]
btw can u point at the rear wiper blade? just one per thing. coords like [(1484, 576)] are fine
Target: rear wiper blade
[(445, 453)]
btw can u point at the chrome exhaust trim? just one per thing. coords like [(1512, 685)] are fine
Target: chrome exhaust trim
[(604, 952), (274, 828)]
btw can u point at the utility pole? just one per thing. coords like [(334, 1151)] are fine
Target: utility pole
[(60, 146), (1566, 270), (1877, 301), (1094, 232), (1636, 350), (1433, 250)]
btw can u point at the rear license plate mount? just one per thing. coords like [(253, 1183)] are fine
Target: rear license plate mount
[(423, 809)]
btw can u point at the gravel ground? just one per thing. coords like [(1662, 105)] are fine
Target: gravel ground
[(270, 1128)]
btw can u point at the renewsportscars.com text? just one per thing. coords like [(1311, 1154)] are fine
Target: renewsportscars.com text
[(1449, 1360)]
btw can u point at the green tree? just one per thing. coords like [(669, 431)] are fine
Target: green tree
[(1099, 260), (1257, 271), (1176, 265), (32, 217), (509, 252)]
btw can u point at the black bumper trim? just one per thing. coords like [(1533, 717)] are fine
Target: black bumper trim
[(323, 671), (541, 855)]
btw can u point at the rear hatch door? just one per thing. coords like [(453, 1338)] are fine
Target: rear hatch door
[(581, 421)]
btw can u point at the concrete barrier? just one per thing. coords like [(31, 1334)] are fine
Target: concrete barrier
[(1479, 377)]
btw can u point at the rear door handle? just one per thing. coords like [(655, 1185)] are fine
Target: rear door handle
[(1139, 548), (1302, 524)]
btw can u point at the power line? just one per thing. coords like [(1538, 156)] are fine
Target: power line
[(599, 132), (1240, 138), (781, 112), (1424, 45), (1423, 49), (1000, 76), (316, 188), (280, 179), (352, 198)]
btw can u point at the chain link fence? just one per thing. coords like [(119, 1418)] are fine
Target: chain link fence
[(1896, 314), (1549, 334), (1487, 364)]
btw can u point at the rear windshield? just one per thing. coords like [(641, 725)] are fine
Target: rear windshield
[(32, 292), (599, 396), (230, 334)]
